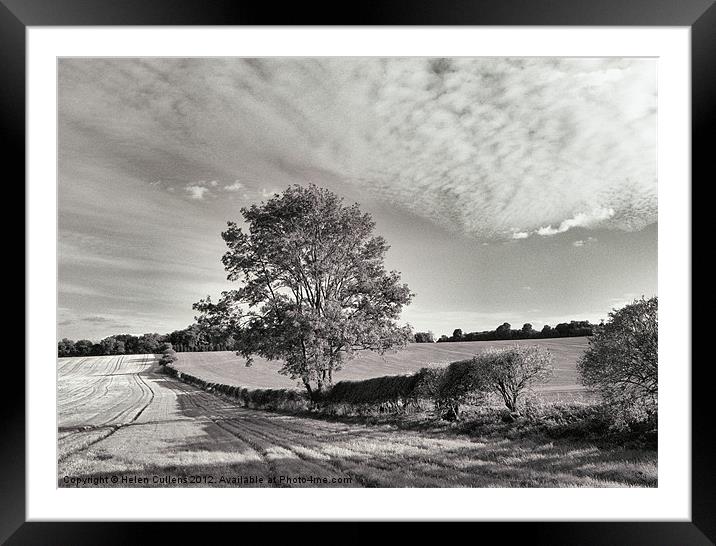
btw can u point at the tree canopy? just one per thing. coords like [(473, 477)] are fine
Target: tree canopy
[(313, 286), (622, 360)]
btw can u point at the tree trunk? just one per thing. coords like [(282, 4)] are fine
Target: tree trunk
[(514, 403), (307, 384), (452, 413)]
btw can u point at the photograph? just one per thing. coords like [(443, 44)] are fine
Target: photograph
[(361, 272)]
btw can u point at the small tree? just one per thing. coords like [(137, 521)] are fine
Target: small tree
[(424, 337), (562, 329), (66, 347), (511, 371), (111, 346), (168, 354), (314, 289), (621, 361), (455, 385), (150, 343), (527, 330), (503, 330), (84, 347)]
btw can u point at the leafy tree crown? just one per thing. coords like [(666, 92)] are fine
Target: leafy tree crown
[(313, 286)]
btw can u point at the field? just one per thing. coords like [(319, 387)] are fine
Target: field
[(122, 423), (226, 367)]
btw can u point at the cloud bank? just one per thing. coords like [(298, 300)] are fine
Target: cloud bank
[(488, 147), (494, 147)]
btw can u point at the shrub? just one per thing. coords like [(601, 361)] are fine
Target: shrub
[(621, 362), (455, 385), (168, 356), (391, 392), (424, 337), (510, 372), (428, 384)]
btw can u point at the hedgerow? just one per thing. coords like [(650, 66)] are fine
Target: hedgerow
[(392, 389), (269, 399)]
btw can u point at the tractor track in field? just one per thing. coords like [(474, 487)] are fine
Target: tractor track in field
[(251, 431), (280, 450), (122, 416), (112, 428)]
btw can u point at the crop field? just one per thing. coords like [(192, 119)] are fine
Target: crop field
[(227, 367), (121, 419)]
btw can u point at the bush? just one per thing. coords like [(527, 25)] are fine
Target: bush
[(424, 337), (454, 385), (621, 362), (391, 392), (510, 372), (168, 356)]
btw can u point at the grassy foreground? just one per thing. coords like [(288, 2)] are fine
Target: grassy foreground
[(573, 431), (146, 429)]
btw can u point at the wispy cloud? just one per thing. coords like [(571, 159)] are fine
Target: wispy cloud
[(583, 242), (582, 219), (503, 147), (489, 147), (197, 192), (267, 193)]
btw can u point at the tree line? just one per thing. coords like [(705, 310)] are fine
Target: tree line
[(573, 328), (203, 336), (191, 338)]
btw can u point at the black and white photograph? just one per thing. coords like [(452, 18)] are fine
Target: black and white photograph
[(363, 272)]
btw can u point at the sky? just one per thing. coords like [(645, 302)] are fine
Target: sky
[(510, 189)]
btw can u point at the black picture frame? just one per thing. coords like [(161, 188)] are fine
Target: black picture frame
[(699, 15)]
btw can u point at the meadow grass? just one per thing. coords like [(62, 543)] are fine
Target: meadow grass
[(226, 367), (179, 430)]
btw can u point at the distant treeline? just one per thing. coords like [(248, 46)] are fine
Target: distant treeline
[(504, 331), (191, 338), (195, 338)]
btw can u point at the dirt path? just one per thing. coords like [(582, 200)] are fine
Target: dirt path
[(119, 418)]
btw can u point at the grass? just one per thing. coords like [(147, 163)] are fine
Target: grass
[(182, 431), (226, 367)]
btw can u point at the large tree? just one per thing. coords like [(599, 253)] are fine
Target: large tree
[(622, 360), (314, 289)]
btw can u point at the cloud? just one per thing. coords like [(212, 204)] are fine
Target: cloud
[(582, 219), (97, 319), (487, 147), (267, 193), (236, 186), (197, 192), (94, 320), (584, 242)]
